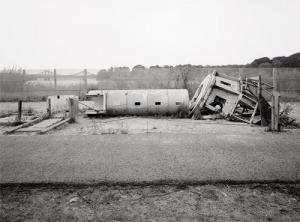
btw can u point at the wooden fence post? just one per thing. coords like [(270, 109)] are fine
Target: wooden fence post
[(19, 118), (23, 83), (48, 107), (55, 80), (275, 102), (85, 80), (262, 121), (73, 108)]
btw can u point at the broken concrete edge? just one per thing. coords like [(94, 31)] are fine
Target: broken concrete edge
[(183, 183)]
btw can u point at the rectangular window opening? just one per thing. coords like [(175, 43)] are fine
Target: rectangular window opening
[(226, 83), (178, 103), (137, 103), (157, 103)]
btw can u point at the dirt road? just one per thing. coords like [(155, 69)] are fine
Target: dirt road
[(149, 157)]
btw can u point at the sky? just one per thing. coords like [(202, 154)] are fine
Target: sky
[(109, 33)]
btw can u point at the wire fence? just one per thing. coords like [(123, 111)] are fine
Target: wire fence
[(37, 86)]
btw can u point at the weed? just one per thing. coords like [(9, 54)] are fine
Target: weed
[(285, 118)]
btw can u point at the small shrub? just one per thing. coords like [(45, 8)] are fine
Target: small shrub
[(182, 112), (285, 119)]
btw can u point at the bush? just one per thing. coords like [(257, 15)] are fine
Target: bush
[(285, 119)]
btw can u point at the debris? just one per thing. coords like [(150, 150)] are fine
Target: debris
[(232, 98), (74, 199), (213, 116)]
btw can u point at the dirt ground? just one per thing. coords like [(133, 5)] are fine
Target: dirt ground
[(125, 125), (215, 202), (254, 202)]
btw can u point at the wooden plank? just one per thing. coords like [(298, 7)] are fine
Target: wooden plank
[(244, 120), (253, 114), (55, 125), (41, 125), (26, 124)]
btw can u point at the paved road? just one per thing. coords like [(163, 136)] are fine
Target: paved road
[(149, 157)]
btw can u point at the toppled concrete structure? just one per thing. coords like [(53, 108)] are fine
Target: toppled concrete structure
[(138, 102), (236, 99)]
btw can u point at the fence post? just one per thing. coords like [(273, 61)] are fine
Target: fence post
[(262, 121), (48, 107), (23, 82), (73, 108), (55, 80), (85, 80), (19, 118), (275, 102)]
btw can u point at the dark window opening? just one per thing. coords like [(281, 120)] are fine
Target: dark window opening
[(137, 103), (58, 97), (157, 103), (178, 103), (226, 83), (218, 101)]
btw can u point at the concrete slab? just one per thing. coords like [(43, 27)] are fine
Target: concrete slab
[(149, 157), (40, 126)]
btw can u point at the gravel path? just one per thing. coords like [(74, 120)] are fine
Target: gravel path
[(149, 157)]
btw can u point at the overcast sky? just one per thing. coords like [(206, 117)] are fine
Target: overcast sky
[(105, 33)]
